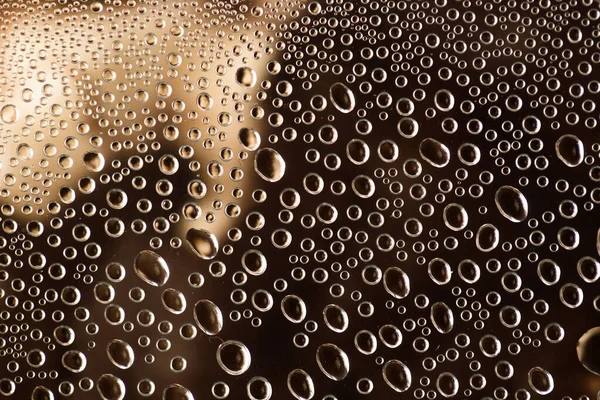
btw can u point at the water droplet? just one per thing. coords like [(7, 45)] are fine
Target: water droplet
[(342, 97), (300, 385), (120, 353), (397, 375), (233, 357), (269, 165), (396, 282), (151, 268), (203, 243), (569, 149), (512, 204), (333, 361), (442, 317), (208, 317)]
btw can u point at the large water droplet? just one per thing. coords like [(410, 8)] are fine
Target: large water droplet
[(151, 268), (333, 361), (111, 387), (203, 243), (93, 161), (208, 317), (569, 148), (233, 357), (487, 237), (540, 380), (396, 282), (434, 152), (120, 353), (342, 97), (397, 375), (442, 317), (177, 392), (300, 385), (588, 348), (269, 165), (512, 204)]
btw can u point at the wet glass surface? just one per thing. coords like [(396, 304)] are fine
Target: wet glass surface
[(329, 199)]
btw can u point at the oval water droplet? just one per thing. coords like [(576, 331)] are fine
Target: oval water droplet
[(569, 149), (120, 353), (293, 308), (151, 268), (42, 393), (9, 114), (455, 217), (203, 243), (512, 204), (300, 385), (397, 375), (434, 152), (249, 138), (173, 300), (487, 238), (74, 361), (111, 387), (93, 161), (177, 392), (342, 97), (335, 318), (245, 76), (439, 271), (208, 317), (269, 165), (540, 380), (233, 357), (447, 384), (333, 361), (396, 282), (442, 317)]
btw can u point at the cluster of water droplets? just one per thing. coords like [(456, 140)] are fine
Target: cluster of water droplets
[(326, 199)]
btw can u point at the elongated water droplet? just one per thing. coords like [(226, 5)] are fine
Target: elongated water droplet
[(151, 268), (203, 243)]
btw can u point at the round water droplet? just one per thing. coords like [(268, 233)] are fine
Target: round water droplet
[(293, 308), (9, 114), (74, 361), (336, 318), (93, 161), (245, 76), (447, 384), (249, 138), (456, 217)]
